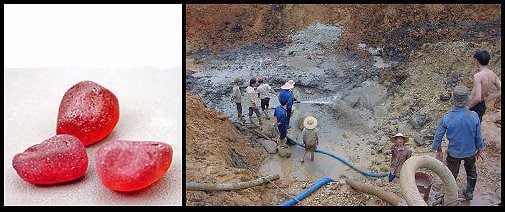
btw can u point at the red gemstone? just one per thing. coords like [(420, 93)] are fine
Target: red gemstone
[(88, 111), (132, 165), (59, 159)]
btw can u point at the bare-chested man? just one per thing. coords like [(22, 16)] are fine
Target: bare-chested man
[(483, 81)]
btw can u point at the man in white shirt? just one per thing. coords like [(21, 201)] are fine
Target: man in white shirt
[(264, 90), (251, 97)]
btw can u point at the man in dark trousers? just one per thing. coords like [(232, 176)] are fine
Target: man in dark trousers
[(483, 81), (462, 128), (286, 95), (264, 91), (281, 121), (237, 98), (400, 152), (251, 101)]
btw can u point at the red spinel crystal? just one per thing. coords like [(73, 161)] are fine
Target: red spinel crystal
[(132, 165), (88, 111), (59, 159)]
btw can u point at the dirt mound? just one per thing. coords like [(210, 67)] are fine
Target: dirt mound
[(421, 87), (419, 92), (217, 153)]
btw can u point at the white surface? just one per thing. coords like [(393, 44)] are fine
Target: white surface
[(98, 36), (150, 103)]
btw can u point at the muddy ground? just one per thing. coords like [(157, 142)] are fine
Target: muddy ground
[(359, 104)]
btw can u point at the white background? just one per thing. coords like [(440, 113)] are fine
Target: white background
[(103, 36), (133, 50)]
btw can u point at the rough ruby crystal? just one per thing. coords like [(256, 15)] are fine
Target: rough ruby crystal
[(132, 165), (88, 111), (59, 159)]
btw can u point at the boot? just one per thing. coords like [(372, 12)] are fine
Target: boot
[(468, 191), (259, 121)]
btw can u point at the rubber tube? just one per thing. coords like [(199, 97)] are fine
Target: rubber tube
[(408, 181), (230, 186), (303, 194), (361, 171), (387, 196)]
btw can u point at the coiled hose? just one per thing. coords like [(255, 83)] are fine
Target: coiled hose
[(408, 181)]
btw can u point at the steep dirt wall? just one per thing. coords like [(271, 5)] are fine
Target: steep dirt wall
[(212, 148), (216, 28)]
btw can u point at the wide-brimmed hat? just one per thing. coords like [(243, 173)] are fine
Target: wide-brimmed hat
[(288, 85), (310, 122), (459, 96), (405, 138)]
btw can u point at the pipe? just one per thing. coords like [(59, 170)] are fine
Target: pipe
[(363, 172), (303, 194), (389, 197), (230, 186), (408, 181)]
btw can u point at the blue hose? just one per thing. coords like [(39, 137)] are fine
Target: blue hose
[(363, 172), (303, 194), (325, 180)]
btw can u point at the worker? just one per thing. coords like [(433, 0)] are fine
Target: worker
[(462, 128), (310, 137), (483, 81), (286, 95), (251, 101), (399, 154), (264, 90), (237, 98), (281, 121)]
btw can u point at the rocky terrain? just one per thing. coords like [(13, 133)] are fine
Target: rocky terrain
[(364, 84), (397, 29)]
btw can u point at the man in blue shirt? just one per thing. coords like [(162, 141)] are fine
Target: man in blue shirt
[(286, 95), (462, 128), (281, 117)]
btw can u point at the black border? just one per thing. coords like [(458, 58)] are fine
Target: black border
[(183, 137)]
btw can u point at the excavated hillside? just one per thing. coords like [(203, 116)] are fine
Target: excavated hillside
[(421, 87), (397, 29), (215, 153)]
